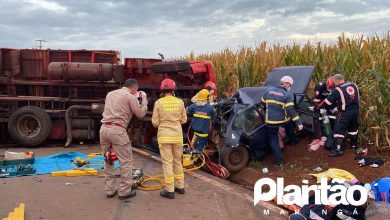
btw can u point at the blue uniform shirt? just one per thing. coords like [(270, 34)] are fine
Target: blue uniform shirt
[(280, 106), (202, 116)]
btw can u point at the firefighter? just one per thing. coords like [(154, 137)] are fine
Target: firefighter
[(346, 95), (202, 113), (120, 105), (210, 87), (169, 114), (279, 111)]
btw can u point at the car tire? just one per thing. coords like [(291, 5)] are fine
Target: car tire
[(168, 67), (29, 126), (234, 158)]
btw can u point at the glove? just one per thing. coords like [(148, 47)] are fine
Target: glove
[(300, 127), (142, 97)]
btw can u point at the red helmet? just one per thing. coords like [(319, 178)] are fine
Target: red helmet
[(329, 83), (210, 85), (168, 84)]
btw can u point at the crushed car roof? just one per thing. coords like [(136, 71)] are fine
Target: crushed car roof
[(301, 75)]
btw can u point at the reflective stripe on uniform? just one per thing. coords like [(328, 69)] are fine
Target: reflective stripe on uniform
[(342, 98), (277, 122), (201, 135), (338, 136), (179, 177), (169, 180), (353, 133), (289, 104), (327, 102), (274, 102), (296, 118), (166, 139), (202, 116)]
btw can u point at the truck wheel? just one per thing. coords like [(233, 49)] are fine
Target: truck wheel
[(167, 67), (234, 158), (29, 126)]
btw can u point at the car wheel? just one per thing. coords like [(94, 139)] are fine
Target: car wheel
[(29, 126), (234, 158)]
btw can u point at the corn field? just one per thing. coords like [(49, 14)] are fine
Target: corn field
[(362, 60)]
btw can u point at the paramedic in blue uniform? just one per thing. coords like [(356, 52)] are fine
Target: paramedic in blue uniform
[(279, 113), (346, 95), (202, 114), (322, 90)]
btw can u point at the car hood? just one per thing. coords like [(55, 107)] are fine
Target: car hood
[(301, 75)]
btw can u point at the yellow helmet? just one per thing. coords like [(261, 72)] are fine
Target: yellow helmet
[(203, 95)]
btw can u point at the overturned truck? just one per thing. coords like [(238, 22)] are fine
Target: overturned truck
[(59, 94)]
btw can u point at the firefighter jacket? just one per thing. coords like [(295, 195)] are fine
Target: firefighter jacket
[(279, 106), (201, 118), (194, 99), (168, 115), (346, 95)]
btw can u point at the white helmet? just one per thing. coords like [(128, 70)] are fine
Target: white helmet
[(287, 79)]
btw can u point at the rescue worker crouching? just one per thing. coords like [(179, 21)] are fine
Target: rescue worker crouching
[(202, 113), (211, 88), (322, 90), (120, 105), (169, 114), (279, 111), (346, 95)]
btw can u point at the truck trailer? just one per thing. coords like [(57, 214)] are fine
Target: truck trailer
[(59, 94)]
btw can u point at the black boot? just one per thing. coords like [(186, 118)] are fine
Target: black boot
[(338, 148), (166, 194), (180, 191), (354, 141)]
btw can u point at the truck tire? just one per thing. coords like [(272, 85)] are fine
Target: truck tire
[(168, 67), (234, 158), (29, 126)]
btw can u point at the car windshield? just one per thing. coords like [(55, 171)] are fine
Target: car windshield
[(248, 119)]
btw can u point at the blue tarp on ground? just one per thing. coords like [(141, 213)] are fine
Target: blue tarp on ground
[(61, 161)]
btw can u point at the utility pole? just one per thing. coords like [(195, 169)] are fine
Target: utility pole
[(40, 43)]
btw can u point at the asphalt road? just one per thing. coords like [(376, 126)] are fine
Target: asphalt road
[(47, 197)]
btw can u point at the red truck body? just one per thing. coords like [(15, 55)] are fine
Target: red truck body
[(69, 86)]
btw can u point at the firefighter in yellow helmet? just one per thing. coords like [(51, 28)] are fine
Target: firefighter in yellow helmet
[(169, 114), (203, 113), (211, 88)]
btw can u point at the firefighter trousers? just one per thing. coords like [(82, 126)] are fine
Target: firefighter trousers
[(171, 157), (119, 139)]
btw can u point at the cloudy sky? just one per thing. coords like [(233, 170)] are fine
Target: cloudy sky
[(142, 28)]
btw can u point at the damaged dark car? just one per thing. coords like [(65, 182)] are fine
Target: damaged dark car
[(241, 123)]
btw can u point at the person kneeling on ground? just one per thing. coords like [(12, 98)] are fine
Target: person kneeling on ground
[(202, 113), (169, 114)]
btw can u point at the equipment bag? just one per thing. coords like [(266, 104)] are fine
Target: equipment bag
[(381, 188)]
